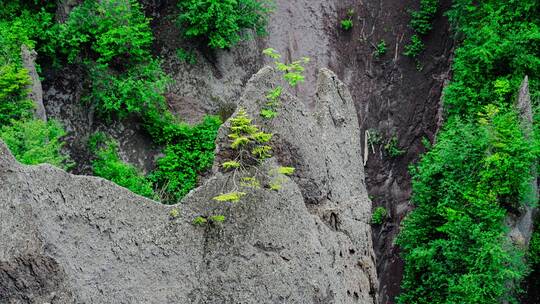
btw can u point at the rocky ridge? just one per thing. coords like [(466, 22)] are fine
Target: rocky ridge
[(80, 239)]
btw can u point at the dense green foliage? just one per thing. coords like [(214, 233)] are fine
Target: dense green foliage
[(189, 151), (186, 56), (34, 142), (136, 91), (381, 49), (421, 23), (116, 30), (23, 23), (31, 141), (500, 45), (454, 243), (20, 23), (107, 164), (392, 147), (111, 39), (13, 89), (379, 215), (222, 22)]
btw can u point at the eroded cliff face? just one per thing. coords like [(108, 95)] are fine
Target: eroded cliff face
[(393, 95), (80, 239)]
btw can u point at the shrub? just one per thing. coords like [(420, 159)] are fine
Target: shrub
[(116, 30), (13, 89), (232, 197), (292, 72), (421, 23), (421, 20), (138, 91), (415, 46), (346, 24), (199, 221), (221, 22), (35, 142), (392, 148), (189, 151), (107, 164), (379, 215), (381, 49)]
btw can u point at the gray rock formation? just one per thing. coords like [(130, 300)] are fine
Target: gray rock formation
[(64, 8), (79, 239), (521, 225), (35, 92)]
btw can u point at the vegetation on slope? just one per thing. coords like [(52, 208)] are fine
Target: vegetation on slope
[(454, 243), (223, 23), (31, 141), (112, 40)]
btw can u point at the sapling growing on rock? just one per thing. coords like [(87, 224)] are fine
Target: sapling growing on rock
[(347, 23)]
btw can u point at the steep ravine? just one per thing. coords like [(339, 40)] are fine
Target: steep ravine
[(392, 94)]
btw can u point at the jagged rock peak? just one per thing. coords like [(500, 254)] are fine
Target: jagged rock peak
[(79, 239)]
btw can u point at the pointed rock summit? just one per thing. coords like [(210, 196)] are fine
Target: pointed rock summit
[(80, 239)]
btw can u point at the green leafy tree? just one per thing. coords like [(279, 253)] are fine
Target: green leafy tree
[(222, 22), (137, 91), (116, 30)]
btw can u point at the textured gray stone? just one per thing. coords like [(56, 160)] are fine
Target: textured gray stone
[(35, 91), (79, 239), (521, 224)]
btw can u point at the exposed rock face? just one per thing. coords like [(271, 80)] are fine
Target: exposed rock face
[(78, 239), (35, 90), (63, 102), (521, 224)]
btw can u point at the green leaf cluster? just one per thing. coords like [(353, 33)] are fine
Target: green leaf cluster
[(116, 30), (346, 24), (107, 164), (381, 49), (269, 110), (186, 56), (14, 104), (246, 136), (421, 23), (392, 147), (35, 142), (222, 22), (189, 152), (379, 215), (232, 197), (139, 90), (292, 72), (21, 22)]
